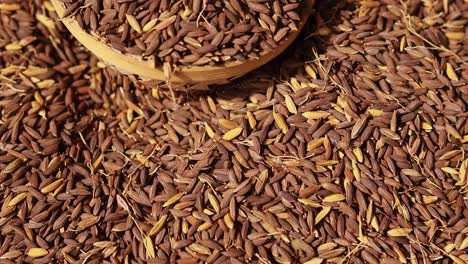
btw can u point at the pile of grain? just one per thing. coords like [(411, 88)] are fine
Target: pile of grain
[(356, 153), (189, 32)]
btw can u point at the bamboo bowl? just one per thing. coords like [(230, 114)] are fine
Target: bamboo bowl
[(135, 65)]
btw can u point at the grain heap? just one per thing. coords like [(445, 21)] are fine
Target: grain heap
[(189, 32), (356, 154)]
